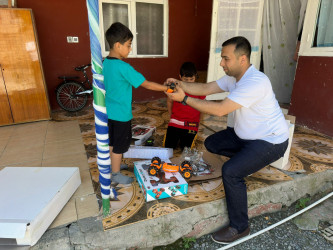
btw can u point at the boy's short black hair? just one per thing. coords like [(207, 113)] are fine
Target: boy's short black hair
[(188, 70), (118, 33), (242, 45)]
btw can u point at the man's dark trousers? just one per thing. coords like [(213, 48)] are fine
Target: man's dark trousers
[(246, 157)]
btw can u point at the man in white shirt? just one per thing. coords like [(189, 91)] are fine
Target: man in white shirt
[(259, 135)]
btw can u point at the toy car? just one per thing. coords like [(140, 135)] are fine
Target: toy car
[(171, 87), (156, 165), (139, 131)]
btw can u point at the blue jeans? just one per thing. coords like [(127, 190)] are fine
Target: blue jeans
[(246, 157)]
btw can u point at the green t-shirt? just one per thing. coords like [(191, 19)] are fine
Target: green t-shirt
[(119, 78)]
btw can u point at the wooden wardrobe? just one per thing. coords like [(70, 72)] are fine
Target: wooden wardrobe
[(23, 93)]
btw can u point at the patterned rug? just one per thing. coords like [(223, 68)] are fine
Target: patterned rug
[(311, 152)]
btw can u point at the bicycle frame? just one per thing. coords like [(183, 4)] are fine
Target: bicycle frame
[(89, 91), (71, 94)]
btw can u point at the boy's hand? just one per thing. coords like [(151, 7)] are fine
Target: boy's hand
[(178, 95)]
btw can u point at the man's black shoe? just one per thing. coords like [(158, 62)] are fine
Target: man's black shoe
[(228, 234)]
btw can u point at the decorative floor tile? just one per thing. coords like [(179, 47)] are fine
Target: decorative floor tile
[(313, 147)]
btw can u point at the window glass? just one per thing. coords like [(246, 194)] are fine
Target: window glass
[(149, 28), (323, 36), (114, 13), (147, 19)]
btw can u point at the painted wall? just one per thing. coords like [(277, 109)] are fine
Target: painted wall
[(189, 37), (312, 96)]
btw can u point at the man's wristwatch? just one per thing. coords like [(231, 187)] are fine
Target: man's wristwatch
[(184, 100)]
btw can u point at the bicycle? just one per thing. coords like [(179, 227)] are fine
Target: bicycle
[(71, 94)]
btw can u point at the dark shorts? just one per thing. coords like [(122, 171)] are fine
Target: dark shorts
[(120, 135), (175, 135)]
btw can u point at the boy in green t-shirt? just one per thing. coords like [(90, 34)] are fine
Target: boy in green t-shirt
[(119, 78)]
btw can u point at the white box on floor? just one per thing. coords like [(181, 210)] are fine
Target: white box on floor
[(31, 198), (283, 162), (145, 152), (141, 133), (154, 190)]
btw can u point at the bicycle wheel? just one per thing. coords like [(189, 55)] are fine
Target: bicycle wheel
[(68, 99)]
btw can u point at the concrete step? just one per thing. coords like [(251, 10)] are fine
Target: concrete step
[(195, 221)]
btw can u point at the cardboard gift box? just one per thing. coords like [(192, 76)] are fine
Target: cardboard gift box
[(141, 133), (164, 186)]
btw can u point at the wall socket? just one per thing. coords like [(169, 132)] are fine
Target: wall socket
[(75, 39), (72, 39)]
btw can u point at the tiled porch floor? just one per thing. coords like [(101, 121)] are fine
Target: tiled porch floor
[(51, 144), (311, 152)]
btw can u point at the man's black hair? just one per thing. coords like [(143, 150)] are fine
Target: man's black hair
[(188, 70), (242, 45), (118, 33)]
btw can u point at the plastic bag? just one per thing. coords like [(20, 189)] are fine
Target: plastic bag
[(194, 156)]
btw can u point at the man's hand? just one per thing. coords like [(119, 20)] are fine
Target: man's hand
[(172, 80), (171, 87), (177, 95)]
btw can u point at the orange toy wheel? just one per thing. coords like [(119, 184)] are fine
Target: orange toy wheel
[(152, 170), (187, 174), (186, 164), (156, 160)]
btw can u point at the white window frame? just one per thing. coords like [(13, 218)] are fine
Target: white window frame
[(215, 71), (308, 33), (132, 25)]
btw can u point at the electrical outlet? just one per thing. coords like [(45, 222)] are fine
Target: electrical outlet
[(69, 39), (75, 39)]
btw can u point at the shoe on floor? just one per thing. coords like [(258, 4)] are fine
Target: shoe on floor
[(228, 234), (121, 179)]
